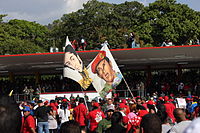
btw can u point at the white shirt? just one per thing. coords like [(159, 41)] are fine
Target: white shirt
[(180, 127), (64, 115)]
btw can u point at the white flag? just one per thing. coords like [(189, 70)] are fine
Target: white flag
[(104, 72), (73, 67)]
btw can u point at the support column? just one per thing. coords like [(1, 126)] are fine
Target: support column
[(11, 77), (37, 77), (148, 81), (179, 74)]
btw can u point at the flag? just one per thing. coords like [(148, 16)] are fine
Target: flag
[(10, 94), (104, 72), (73, 67)]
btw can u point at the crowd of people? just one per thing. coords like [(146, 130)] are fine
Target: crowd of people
[(166, 82), (153, 114)]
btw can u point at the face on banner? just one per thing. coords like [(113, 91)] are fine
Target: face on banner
[(72, 60), (105, 72), (102, 66), (74, 69)]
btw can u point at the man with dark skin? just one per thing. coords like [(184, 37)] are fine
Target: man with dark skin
[(181, 120)]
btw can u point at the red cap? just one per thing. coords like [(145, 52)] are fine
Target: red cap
[(64, 100), (51, 104), (166, 98), (46, 102), (171, 100), (99, 57), (124, 101), (122, 105), (95, 104), (150, 102), (160, 98), (142, 113)]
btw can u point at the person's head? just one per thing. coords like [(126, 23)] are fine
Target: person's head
[(133, 107), (179, 114), (72, 60), (151, 108), (110, 101), (139, 101), (116, 118), (40, 103), (81, 100), (122, 107), (103, 67), (70, 127), (26, 111), (140, 107), (109, 113), (64, 105), (150, 124), (95, 105), (10, 115)]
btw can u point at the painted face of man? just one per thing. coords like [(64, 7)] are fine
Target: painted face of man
[(105, 71), (73, 61)]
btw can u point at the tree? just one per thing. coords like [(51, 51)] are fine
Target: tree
[(20, 36)]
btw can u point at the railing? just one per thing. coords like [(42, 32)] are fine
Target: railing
[(23, 97)]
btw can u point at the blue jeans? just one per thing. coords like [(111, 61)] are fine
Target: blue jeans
[(43, 126)]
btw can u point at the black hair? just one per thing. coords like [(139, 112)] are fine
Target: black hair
[(70, 127), (70, 49), (140, 107), (116, 118), (10, 115), (151, 124), (151, 107), (81, 100)]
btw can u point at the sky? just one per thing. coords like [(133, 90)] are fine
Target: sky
[(46, 11)]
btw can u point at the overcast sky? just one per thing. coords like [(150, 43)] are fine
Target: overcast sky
[(45, 11)]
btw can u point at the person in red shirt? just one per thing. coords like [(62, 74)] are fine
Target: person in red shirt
[(133, 124), (95, 116), (126, 106), (169, 108), (28, 122), (80, 113)]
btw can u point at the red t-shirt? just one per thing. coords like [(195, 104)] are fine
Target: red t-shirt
[(95, 117), (169, 110), (80, 114), (133, 123), (27, 124)]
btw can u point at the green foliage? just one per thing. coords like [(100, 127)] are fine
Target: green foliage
[(100, 21), (20, 36)]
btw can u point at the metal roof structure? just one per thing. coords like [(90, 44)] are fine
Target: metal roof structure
[(127, 59)]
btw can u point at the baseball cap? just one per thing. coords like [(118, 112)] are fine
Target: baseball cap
[(95, 104), (26, 108), (166, 98), (150, 102), (122, 105), (64, 100)]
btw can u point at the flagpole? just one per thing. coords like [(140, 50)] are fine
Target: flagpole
[(84, 99), (127, 86)]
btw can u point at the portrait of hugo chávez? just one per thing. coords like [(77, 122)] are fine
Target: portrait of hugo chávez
[(102, 66)]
